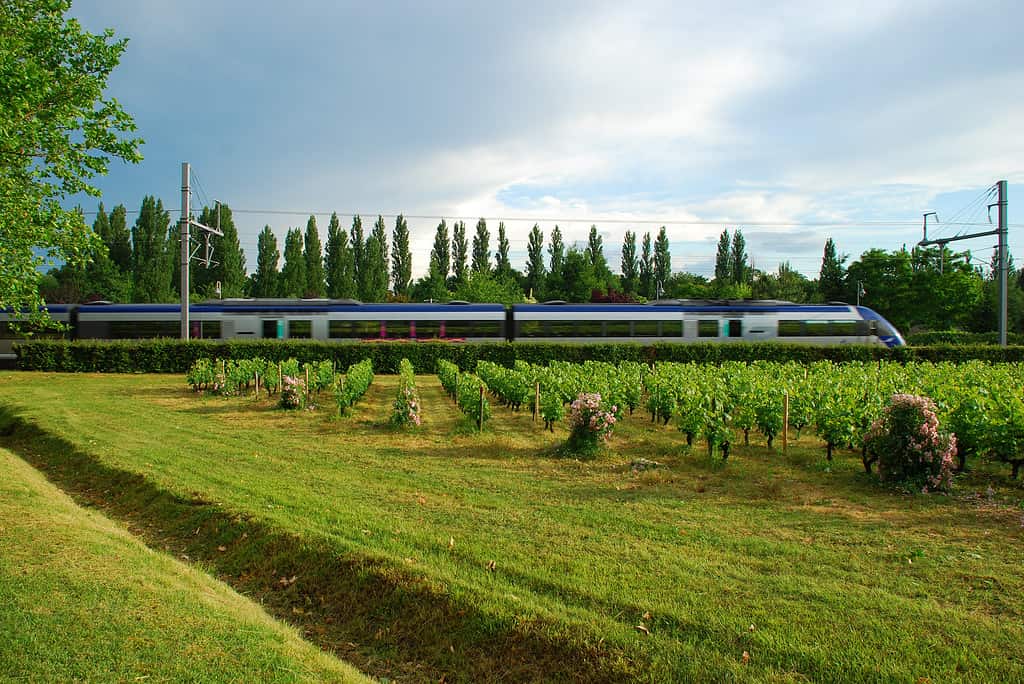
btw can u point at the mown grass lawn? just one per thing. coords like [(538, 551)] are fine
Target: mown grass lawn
[(85, 601), (440, 552)]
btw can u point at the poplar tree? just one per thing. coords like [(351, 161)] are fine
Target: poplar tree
[(120, 244), (338, 262), (232, 257), (316, 285), (554, 284), (440, 254), (739, 270), (502, 266), (358, 242), (151, 264), (535, 269), (833, 273), (629, 263), (293, 273), (376, 270), (482, 248), (723, 262), (646, 268), (459, 253), (265, 282), (101, 226), (662, 260), (380, 258), (401, 259)]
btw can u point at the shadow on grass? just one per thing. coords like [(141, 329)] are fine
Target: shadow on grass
[(374, 614)]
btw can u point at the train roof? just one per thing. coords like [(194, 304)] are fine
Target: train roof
[(284, 306), (692, 305)]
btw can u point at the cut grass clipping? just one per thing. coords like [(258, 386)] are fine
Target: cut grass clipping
[(83, 600), (479, 557)]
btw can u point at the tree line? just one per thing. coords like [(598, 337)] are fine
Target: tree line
[(929, 288)]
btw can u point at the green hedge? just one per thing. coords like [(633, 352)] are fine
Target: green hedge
[(176, 356), (960, 337)]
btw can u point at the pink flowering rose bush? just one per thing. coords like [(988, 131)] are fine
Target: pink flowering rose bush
[(293, 393), (909, 445), (591, 423)]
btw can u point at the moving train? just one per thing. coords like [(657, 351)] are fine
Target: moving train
[(681, 320)]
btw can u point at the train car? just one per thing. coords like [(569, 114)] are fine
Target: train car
[(704, 321), (12, 331), (323, 319), (352, 321)]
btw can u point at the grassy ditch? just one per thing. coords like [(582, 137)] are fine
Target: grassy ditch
[(440, 552), (85, 601)]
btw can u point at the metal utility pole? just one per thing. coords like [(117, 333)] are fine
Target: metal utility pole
[(1003, 265), (184, 224), (183, 229), (1001, 232)]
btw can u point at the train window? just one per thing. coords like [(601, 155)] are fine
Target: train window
[(427, 330), (397, 328), (460, 329), (672, 328), (130, 330), (817, 328), (589, 329), (647, 328), (844, 328), (209, 329), (735, 327), (707, 328), (791, 328), (617, 329), (529, 329), (300, 330), (349, 330)]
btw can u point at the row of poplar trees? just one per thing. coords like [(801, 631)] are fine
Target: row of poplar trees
[(142, 263)]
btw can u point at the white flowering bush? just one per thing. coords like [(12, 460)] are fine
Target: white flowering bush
[(590, 423), (909, 446), (293, 393)]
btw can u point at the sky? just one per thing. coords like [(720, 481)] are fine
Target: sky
[(793, 123)]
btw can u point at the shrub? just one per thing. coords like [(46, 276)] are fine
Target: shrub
[(293, 393), (406, 408), (590, 424), (351, 388), (909, 446)]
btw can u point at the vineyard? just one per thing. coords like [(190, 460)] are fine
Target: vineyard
[(981, 403)]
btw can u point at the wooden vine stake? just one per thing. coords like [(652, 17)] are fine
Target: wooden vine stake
[(307, 384), (257, 384), (536, 401), (785, 422), (480, 415)]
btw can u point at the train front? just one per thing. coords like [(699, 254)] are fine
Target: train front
[(883, 329)]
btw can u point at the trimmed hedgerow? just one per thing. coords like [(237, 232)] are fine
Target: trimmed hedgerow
[(177, 356)]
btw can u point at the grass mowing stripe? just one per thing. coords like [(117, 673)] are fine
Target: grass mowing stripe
[(84, 600), (843, 580)]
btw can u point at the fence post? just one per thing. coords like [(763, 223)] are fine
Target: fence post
[(785, 422), (536, 401), (480, 416)]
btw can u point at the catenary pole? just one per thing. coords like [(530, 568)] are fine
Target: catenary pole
[(183, 226), (1003, 263)]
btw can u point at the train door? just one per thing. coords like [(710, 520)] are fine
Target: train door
[(734, 327), (273, 329)]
